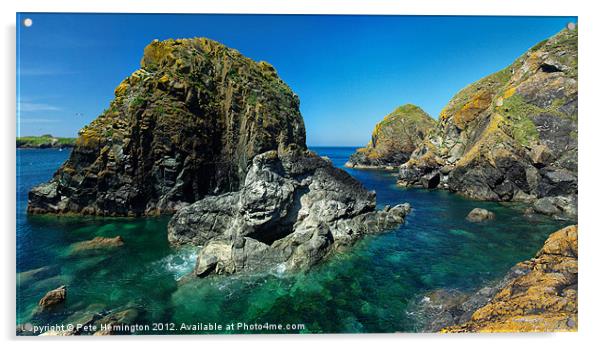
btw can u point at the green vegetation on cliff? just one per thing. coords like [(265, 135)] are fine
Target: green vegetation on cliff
[(511, 135), (45, 141)]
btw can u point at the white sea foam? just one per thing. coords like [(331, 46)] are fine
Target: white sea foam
[(180, 263)]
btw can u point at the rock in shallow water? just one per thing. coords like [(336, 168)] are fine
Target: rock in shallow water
[(53, 298), (294, 209), (480, 215), (98, 243)]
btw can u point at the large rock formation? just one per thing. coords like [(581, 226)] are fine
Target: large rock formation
[(294, 209), (537, 295), (188, 123), (394, 139), (511, 135)]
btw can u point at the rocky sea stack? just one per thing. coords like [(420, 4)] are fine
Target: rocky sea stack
[(294, 209), (511, 136), (394, 139), (186, 124)]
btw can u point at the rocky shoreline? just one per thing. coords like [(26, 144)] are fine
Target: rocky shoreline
[(537, 295)]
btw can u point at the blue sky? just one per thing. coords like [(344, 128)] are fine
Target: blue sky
[(349, 71)]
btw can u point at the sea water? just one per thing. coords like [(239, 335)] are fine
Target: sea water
[(369, 288)]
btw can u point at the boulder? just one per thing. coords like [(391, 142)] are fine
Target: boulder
[(52, 299), (480, 215), (560, 207), (294, 210)]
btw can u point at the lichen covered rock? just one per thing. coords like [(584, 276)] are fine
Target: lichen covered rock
[(294, 210), (394, 139), (52, 299), (186, 124), (539, 295), (511, 136)]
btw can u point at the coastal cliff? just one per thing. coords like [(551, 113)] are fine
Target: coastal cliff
[(511, 136), (537, 295), (186, 124), (394, 139)]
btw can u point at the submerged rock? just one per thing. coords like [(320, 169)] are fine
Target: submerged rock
[(511, 136), (294, 210), (394, 139), (98, 243), (53, 298), (480, 215), (184, 125), (538, 295)]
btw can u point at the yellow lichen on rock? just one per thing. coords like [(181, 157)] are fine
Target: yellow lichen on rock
[(121, 89), (469, 111), (543, 299)]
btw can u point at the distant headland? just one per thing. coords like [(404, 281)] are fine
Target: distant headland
[(45, 141)]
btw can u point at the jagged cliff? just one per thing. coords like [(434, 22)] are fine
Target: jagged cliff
[(511, 135), (538, 295), (187, 123), (394, 139)]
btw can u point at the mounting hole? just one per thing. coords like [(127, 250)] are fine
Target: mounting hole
[(571, 26), (27, 22)]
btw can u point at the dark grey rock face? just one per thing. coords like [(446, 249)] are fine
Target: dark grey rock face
[(294, 210)]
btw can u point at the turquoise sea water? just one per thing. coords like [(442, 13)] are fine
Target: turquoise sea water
[(367, 289)]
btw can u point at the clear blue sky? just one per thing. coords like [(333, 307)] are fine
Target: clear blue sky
[(349, 71)]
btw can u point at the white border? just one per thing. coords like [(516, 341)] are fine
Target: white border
[(589, 137)]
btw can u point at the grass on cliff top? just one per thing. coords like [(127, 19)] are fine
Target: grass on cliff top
[(408, 112), (44, 141)]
